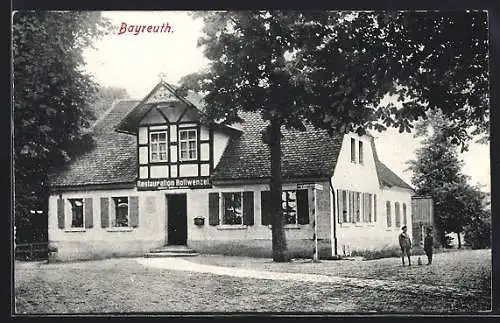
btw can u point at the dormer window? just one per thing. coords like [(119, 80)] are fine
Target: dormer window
[(188, 144), (158, 146)]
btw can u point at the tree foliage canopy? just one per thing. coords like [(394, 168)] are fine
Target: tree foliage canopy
[(437, 172), (51, 96), (335, 70)]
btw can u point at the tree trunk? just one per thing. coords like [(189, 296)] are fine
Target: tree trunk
[(278, 226), (459, 241)]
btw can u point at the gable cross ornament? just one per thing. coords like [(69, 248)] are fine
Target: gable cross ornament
[(162, 75), (162, 94)]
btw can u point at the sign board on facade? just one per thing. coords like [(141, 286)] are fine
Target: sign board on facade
[(305, 186), (173, 183)]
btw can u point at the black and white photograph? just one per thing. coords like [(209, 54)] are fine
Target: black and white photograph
[(251, 161)]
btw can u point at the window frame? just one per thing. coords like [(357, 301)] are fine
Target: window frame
[(112, 220), (353, 150), (72, 202), (187, 141), (158, 143), (405, 219), (222, 212), (294, 209), (397, 215), (360, 152), (367, 199)]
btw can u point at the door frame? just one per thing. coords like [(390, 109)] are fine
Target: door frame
[(168, 226)]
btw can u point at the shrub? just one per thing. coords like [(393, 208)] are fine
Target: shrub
[(478, 234), (387, 252)]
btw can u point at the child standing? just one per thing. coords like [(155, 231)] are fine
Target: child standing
[(428, 243)]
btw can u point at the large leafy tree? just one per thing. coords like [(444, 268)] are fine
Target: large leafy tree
[(334, 70), (51, 96), (437, 172)]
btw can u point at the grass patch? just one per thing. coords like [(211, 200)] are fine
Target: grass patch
[(389, 252)]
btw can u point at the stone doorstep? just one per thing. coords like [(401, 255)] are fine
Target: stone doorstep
[(173, 248), (171, 251), (158, 254)]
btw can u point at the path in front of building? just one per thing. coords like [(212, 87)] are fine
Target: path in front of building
[(181, 264)]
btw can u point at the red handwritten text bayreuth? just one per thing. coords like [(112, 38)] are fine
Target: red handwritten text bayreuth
[(137, 29)]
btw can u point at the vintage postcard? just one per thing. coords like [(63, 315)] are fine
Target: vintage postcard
[(219, 162)]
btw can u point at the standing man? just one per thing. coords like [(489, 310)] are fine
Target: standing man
[(405, 244), (428, 243)]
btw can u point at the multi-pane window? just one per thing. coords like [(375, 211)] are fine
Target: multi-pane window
[(397, 215), (360, 153), (289, 206), (121, 212), (388, 212), (232, 208), (158, 146), (404, 214), (188, 144), (353, 150), (374, 207), (76, 213)]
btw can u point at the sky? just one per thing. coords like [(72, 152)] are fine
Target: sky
[(134, 62)]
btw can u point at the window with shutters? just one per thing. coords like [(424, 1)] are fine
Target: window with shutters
[(232, 208), (158, 146), (120, 216), (294, 205), (388, 212), (188, 144), (76, 213), (397, 215), (367, 207)]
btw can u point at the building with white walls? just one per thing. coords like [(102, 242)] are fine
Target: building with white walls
[(156, 175)]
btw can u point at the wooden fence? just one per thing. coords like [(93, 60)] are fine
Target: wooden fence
[(31, 251)]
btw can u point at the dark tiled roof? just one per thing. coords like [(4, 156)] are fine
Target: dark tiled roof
[(112, 158), (387, 176), (304, 154)]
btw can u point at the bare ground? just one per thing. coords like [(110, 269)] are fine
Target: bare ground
[(125, 286)]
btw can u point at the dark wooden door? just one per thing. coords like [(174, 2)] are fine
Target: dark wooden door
[(176, 219)]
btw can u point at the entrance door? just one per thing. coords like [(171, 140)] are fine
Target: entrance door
[(176, 219)]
